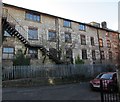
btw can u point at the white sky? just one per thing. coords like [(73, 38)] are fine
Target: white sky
[(79, 10)]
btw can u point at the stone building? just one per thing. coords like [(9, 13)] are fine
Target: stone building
[(48, 39)]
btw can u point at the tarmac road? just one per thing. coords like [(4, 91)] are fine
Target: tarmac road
[(79, 91)]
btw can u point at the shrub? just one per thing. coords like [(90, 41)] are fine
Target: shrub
[(20, 59)]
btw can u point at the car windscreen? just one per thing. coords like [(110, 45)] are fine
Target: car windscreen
[(98, 76), (106, 76)]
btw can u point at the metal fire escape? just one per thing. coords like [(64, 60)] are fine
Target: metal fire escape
[(7, 19)]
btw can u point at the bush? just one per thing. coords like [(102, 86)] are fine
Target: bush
[(20, 59), (78, 60)]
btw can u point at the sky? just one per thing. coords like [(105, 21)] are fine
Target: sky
[(84, 11)]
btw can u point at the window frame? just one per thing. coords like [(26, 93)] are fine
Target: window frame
[(8, 53), (69, 55), (33, 55), (93, 54), (70, 38), (52, 39), (68, 25), (92, 41), (83, 39), (101, 42), (82, 27), (84, 54), (6, 34), (33, 29), (108, 44), (31, 16), (110, 55), (102, 55)]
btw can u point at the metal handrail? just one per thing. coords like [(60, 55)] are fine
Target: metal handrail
[(20, 28)]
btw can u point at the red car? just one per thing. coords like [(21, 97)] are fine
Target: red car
[(109, 80)]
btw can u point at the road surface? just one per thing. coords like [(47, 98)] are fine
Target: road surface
[(79, 91)]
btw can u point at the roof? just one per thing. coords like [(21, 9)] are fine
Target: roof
[(106, 29)]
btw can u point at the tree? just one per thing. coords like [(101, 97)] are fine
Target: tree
[(20, 59)]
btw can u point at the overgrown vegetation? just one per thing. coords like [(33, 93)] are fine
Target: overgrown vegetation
[(78, 60), (20, 59)]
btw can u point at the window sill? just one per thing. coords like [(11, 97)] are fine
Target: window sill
[(67, 27), (34, 39)]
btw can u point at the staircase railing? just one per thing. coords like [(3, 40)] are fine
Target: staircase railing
[(24, 33), (22, 30)]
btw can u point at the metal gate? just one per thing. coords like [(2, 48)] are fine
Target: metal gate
[(109, 93)]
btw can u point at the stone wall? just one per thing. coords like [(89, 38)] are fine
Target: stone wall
[(49, 23)]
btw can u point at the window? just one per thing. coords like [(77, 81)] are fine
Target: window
[(67, 23), (32, 17), (93, 55), (101, 42), (69, 56), (32, 33), (108, 44), (68, 37), (84, 54), (6, 34), (83, 39), (8, 52), (92, 41), (82, 27), (110, 55), (102, 55), (52, 36), (33, 53)]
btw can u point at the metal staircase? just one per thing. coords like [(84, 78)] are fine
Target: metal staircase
[(7, 19)]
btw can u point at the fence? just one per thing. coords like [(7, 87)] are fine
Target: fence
[(19, 72), (109, 93)]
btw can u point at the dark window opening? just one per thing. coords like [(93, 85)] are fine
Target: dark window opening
[(83, 40), (93, 55), (52, 36), (68, 37), (33, 53), (84, 54)]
